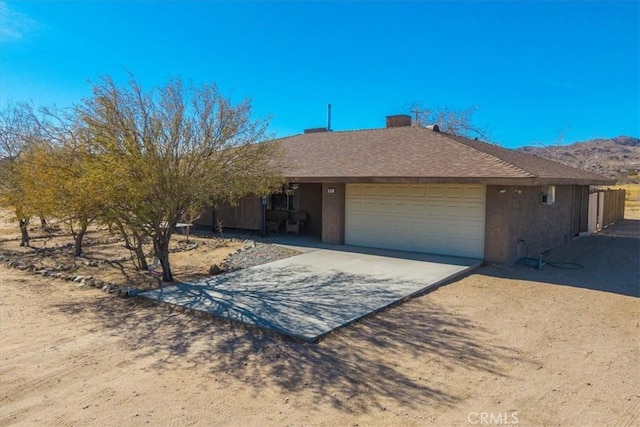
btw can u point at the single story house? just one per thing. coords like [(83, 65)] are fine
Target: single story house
[(413, 188)]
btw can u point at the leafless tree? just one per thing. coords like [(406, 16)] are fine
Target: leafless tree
[(449, 120)]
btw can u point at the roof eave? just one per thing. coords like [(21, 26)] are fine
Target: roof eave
[(528, 181)]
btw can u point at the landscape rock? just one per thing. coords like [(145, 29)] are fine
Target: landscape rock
[(20, 265), (260, 253)]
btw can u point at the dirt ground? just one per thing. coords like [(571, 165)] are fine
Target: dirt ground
[(193, 257), (506, 345)]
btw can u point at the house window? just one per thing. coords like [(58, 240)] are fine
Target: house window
[(548, 194), (281, 202), (285, 200)]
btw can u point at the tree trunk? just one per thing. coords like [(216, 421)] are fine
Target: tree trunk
[(24, 232), (135, 246), (77, 250), (43, 224), (139, 251), (161, 246), (167, 275)]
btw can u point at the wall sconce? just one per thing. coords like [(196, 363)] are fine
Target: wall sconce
[(331, 190)]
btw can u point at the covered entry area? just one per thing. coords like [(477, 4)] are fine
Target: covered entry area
[(445, 219), (294, 203)]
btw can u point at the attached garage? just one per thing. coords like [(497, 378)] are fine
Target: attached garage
[(446, 219)]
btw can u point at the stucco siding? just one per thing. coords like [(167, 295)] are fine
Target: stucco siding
[(518, 224)]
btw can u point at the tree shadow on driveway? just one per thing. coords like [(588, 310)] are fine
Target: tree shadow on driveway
[(292, 300)]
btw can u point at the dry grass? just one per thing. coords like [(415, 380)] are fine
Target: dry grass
[(632, 200)]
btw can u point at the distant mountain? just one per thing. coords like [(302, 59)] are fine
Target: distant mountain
[(617, 158)]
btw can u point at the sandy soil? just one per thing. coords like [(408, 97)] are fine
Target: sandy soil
[(99, 247), (504, 345)]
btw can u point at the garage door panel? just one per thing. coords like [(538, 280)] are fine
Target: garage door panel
[(401, 191), (370, 191), (434, 218), (412, 210), (417, 191), (455, 193)]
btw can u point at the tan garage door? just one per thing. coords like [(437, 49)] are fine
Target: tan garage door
[(445, 219)]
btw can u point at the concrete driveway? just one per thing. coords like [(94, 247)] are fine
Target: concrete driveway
[(312, 294)]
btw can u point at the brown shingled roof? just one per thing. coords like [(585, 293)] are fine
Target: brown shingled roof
[(416, 154)]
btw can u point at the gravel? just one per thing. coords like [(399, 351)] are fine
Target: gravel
[(256, 254)]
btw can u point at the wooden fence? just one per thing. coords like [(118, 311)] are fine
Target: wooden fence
[(605, 208), (244, 215), (613, 206)]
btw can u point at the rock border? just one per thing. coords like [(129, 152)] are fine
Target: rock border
[(61, 272), (64, 272)]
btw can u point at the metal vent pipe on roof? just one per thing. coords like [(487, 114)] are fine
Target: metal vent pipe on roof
[(329, 117)]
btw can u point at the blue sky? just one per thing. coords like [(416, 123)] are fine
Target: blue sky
[(540, 72)]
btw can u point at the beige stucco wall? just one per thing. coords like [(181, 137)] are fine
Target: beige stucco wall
[(516, 213), (333, 213)]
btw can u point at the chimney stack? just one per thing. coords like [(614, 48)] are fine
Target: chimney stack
[(316, 130), (399, 120)]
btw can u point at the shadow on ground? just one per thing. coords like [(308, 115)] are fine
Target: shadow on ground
[(292, 300), (402, 355), (389, 357), (610, 262)]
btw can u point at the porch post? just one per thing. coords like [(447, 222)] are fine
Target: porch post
[(263, 216)]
